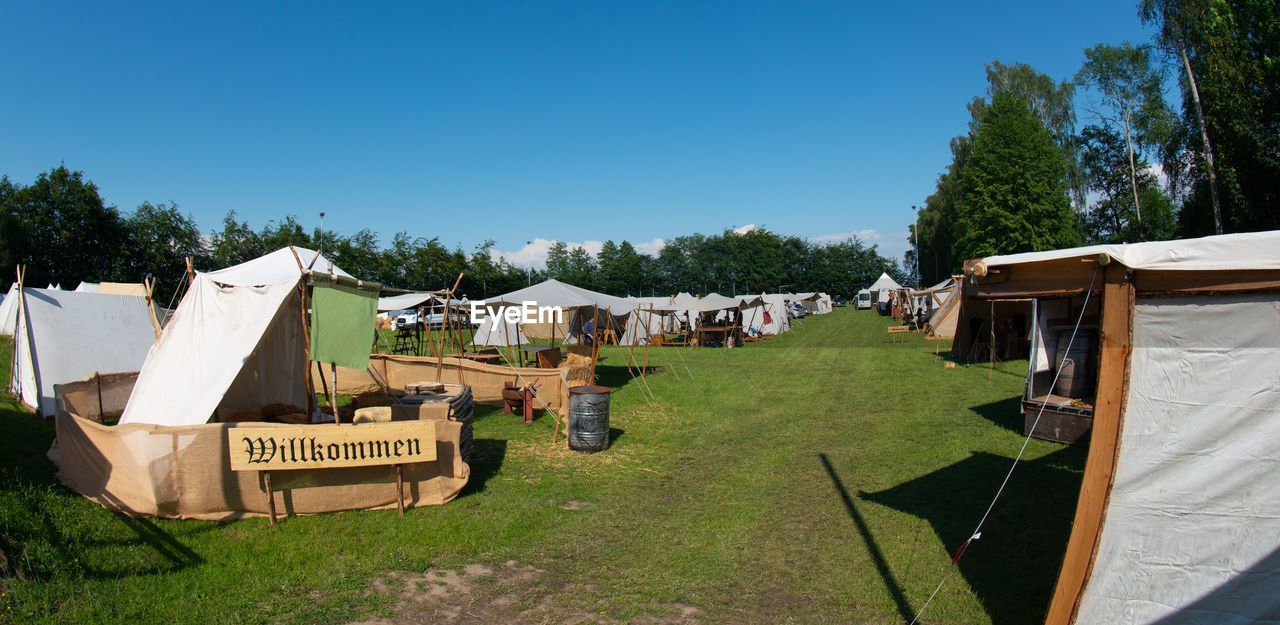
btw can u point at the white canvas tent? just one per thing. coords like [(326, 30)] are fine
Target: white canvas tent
[(776, 305), (883, 288), (496, 331), (576, 303), (9, 311), (406, 301), (235, 342), (64, 336), (1178, 516)]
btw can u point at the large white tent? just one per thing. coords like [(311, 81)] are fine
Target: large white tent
[(778, 321), (882, 288), (1178, 516), (576, 303), (235, 342), (64, 336)]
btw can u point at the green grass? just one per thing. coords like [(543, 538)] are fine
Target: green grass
[(826, 475)]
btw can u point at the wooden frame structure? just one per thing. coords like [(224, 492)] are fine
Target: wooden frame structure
[(1119, 287)]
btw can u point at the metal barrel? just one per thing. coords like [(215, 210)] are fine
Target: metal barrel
[(1075, 366), (589, 418)]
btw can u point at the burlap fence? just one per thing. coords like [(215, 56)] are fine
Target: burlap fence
[(185, 472)]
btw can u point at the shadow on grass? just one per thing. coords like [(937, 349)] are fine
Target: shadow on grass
[(488, 458), (1013, 567), (877, 557), (1006, 413)]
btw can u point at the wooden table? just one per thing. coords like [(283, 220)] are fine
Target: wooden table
[(548, 357), (726, 331)]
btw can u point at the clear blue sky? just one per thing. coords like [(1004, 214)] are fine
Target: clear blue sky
[(577, 121)]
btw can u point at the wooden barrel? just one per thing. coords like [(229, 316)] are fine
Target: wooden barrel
[(1075, 365)]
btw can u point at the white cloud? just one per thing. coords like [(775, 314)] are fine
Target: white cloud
[(652, 248), (892, 245), (534, 253), (745, 229)]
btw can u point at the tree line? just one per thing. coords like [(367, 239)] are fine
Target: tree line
[(1024, 178), (64, 233)]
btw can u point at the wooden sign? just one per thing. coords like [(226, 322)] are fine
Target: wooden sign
[(327, 446)]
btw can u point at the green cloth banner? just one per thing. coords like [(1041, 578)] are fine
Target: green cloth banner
[(342, 321)]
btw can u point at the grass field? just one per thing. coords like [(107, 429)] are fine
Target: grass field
[(827, 476)]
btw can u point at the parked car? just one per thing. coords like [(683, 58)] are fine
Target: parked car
[(795, 310), (864, 299), (838, 300), (409, 320)]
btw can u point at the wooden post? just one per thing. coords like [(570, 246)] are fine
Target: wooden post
[(444, 329), (271, 497), (400, 488), (150, 285), (333, 393), (648, 339), (595, 342), (506, 338), (309, 386), (1104, 444), (98, 377)]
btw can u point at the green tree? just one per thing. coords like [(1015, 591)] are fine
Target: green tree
[(235, 244), (160, 240), (1053, 102), (558, 261), (1014, 190), (1111, 217), (1132, 102), (1228, 51), (62, 230)]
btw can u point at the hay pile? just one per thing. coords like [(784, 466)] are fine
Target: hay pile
[(578, 365), (386, 323)]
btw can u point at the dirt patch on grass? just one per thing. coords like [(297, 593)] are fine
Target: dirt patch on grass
[(509, 593)]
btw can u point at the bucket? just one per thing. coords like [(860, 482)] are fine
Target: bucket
[(589, 418), (1075, 366)]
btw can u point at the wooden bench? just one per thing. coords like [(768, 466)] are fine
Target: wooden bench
[(894, 331)]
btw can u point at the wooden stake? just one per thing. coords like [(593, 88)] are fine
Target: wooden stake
[(271, 497), (98, 376), (400, 488)]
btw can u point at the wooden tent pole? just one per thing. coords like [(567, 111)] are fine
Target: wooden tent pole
[(595, 341), (308, 385), (648, 339), (150, 285), (21, 316), (1104, 444), (444, 331), (333, 368), (506, 338)]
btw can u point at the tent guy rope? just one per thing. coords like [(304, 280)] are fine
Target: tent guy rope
[(977, 531)]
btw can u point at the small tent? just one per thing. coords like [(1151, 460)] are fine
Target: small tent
[(235, 342), (883, 288), (1178, 516), (64, 336), (9, 311), (496, 331)]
